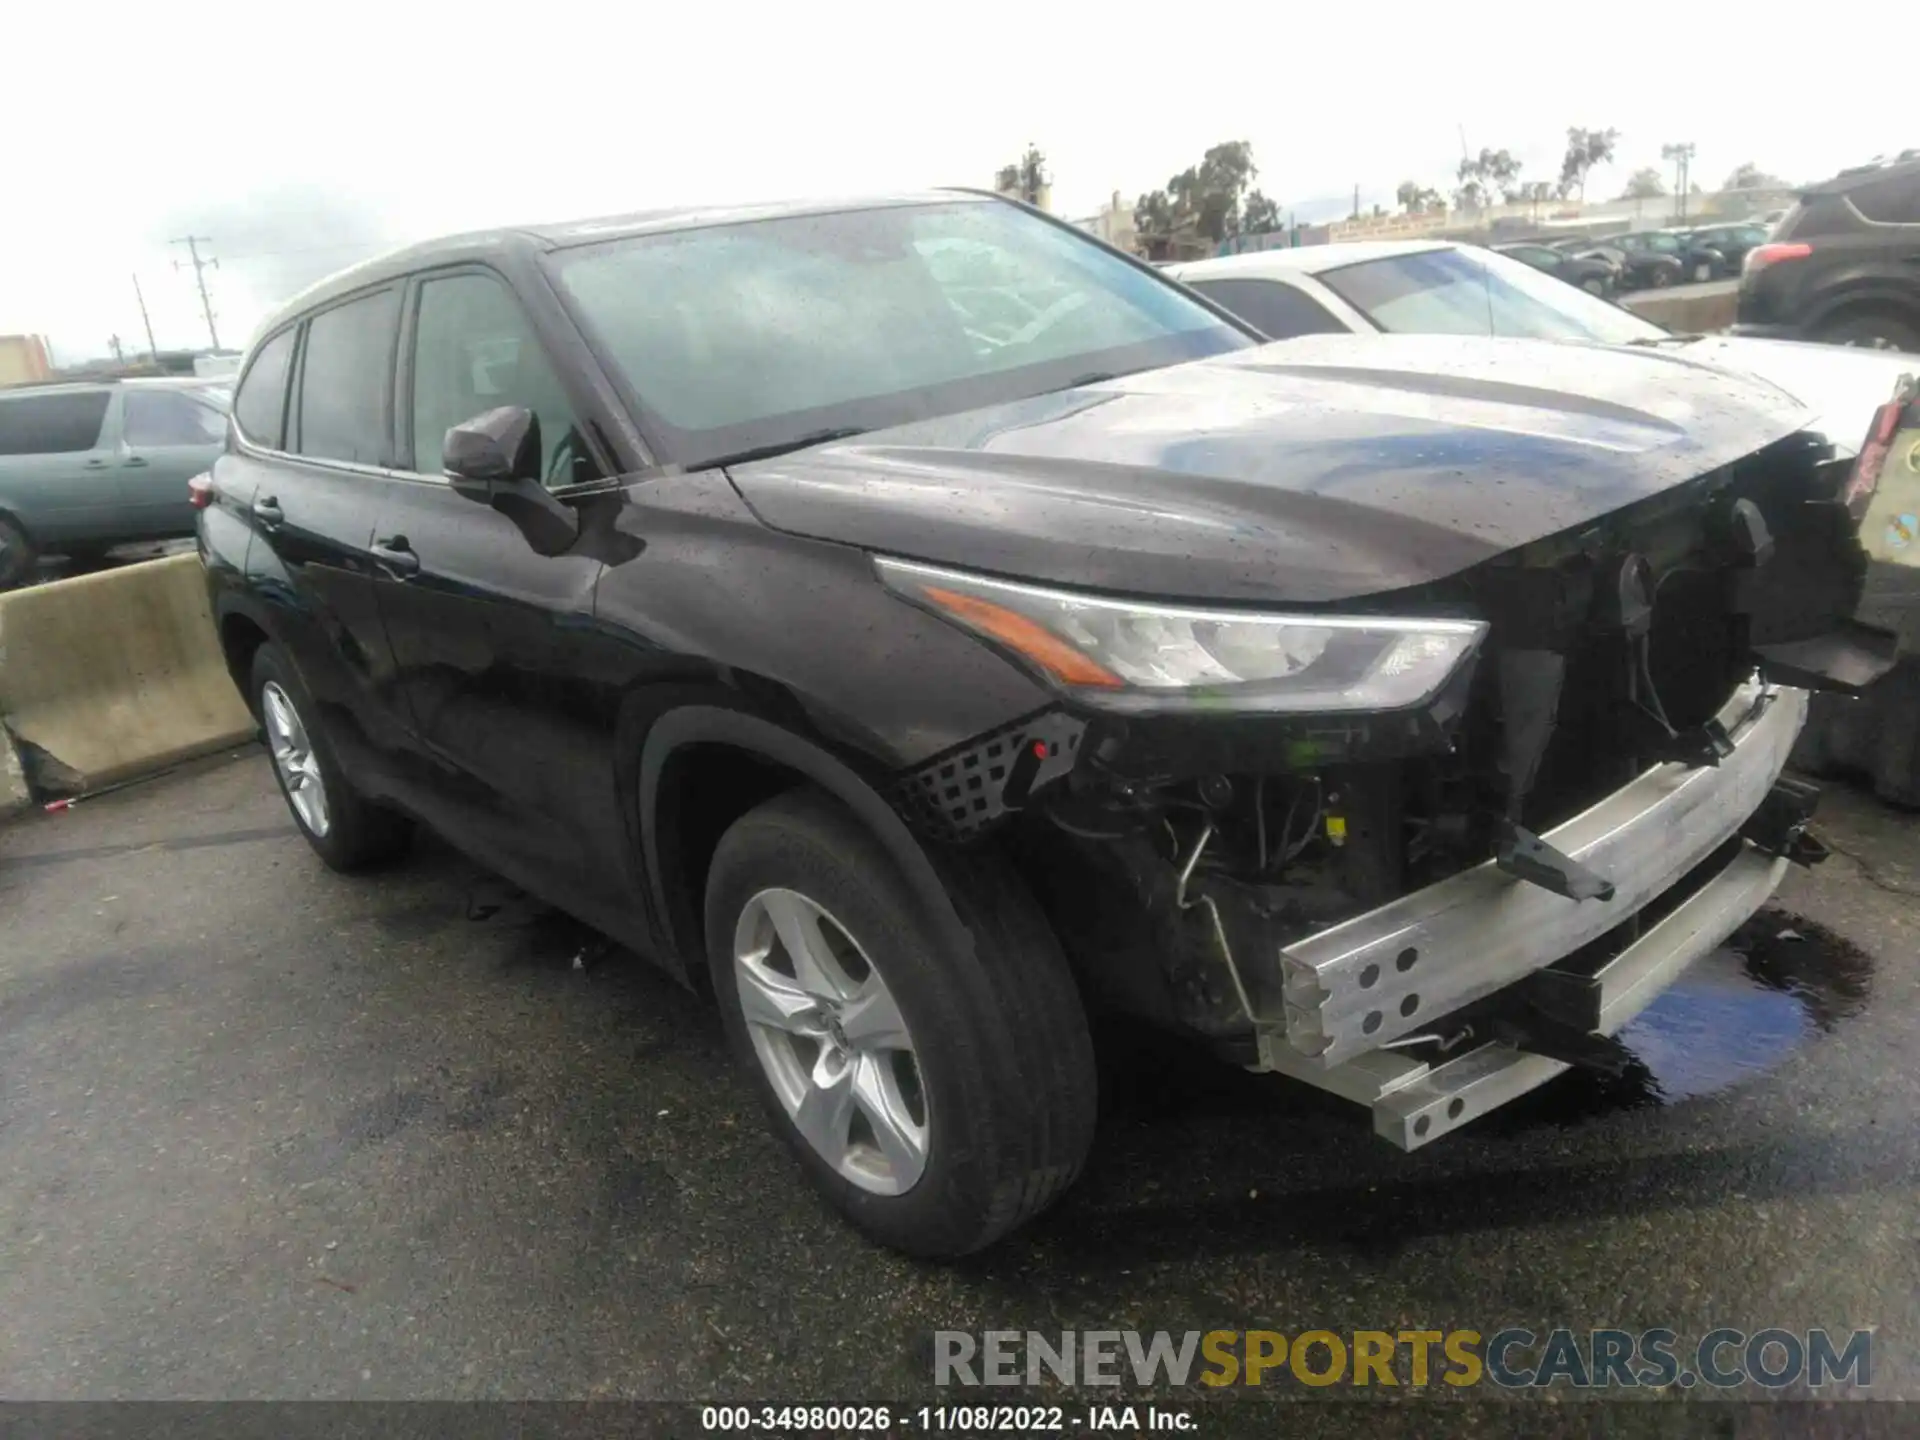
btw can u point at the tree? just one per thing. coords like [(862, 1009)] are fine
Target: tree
[(1026, 178), (1750, 176), (1585, 150), (1489, 173), (1644, 184), (1260, 215), (1206, 197)]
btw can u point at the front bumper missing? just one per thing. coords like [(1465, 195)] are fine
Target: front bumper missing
[(1398, 969)]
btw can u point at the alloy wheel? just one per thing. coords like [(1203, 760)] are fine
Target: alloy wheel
[(293, 757), (832, 1041)]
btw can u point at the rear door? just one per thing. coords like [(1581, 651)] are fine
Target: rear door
[(313, 508), (57, 474), (167, 436), (493, 643)]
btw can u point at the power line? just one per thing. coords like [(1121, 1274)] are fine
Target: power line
[(200, 267)]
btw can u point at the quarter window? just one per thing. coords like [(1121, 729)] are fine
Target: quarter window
[(473, 351), (261, 405), (52, 424), (344, 380)]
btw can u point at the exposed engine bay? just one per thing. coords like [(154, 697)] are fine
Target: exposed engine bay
[(1184, 858)]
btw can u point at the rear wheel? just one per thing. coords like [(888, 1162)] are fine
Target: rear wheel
[(345, 829), (17, 555), (938, 1095), (1661, 278), (1871, 330)]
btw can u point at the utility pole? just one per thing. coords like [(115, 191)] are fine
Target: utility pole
[(114, 342), (200, 267), (1682, 156), (153, 350)]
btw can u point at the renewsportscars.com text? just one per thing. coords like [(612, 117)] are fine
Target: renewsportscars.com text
[(1510, 1358)]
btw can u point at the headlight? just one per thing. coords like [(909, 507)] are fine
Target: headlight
[(1141, 655)]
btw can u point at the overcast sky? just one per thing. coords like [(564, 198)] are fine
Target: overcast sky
[(301, 138)]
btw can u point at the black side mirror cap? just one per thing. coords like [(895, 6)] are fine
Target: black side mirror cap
[(498, 445), (494, 458)]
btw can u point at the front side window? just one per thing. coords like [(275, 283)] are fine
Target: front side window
[(172, 417), (52, 424), (740, 336), (473, 352), (1273, 307), (345, 378), (1665, 244), (1460, 292), (261, 404)]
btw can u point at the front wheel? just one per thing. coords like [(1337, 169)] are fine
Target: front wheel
[(1594, 285), (17, 554), (345, 829), (937, 1093), (1660, 279)]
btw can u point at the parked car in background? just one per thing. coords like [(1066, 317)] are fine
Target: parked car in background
[(1732, 241), (921, 667), (1589, 272), (1633, 270), (1843, 265), (1439, 287), (85, 466), (1696, 263)]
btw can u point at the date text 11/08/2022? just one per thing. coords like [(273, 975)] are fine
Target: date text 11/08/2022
[(951, 1419)]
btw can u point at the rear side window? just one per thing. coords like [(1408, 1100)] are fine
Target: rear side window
[(1273, 307), (167, 417), (1892, 201), (262, 402), (345, 379), (52, 424)]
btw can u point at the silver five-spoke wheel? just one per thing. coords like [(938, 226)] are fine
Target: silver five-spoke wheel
[(293, 757), (832, 1041)]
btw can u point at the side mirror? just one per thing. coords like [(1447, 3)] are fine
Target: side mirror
[(494, 458)]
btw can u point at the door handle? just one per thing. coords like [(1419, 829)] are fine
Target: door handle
[(268, 512), (133, 460), (96, 465), (396, 556)]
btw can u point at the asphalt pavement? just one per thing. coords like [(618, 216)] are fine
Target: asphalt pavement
[(266, 1131)]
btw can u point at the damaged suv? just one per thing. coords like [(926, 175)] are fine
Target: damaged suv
[(923, 625)]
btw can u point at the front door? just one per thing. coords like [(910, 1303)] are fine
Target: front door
[(494, 643)]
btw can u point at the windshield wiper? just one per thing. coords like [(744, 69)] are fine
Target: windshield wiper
[(1092, 377), (787, 447), (1677, 338)]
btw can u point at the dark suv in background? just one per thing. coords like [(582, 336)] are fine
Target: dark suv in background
[(1843, 265)]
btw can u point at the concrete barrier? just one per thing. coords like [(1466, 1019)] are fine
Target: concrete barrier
[(108, 676), (1691, 313)]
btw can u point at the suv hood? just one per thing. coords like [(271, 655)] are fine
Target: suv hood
[(1315, 469)]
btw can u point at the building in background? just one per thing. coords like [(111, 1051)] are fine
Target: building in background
[(1113, 223), (24, 358)]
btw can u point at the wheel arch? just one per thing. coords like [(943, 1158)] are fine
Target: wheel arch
[(755, 758), (1868, 296), (242, 632)]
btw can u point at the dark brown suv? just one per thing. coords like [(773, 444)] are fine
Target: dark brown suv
[(1843, 265)]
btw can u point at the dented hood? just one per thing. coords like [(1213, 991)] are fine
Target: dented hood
[(1309, 470)]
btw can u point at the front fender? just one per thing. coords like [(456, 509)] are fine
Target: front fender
[(718, 725)]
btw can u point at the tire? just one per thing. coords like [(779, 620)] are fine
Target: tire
[(1660, 279), (347, 831), (1594, 285), (17, 553), (1001, 1063), (1702, 272), (1870, 329)]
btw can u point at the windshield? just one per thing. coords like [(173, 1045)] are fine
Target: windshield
[(756, 335), (1477, 292)]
